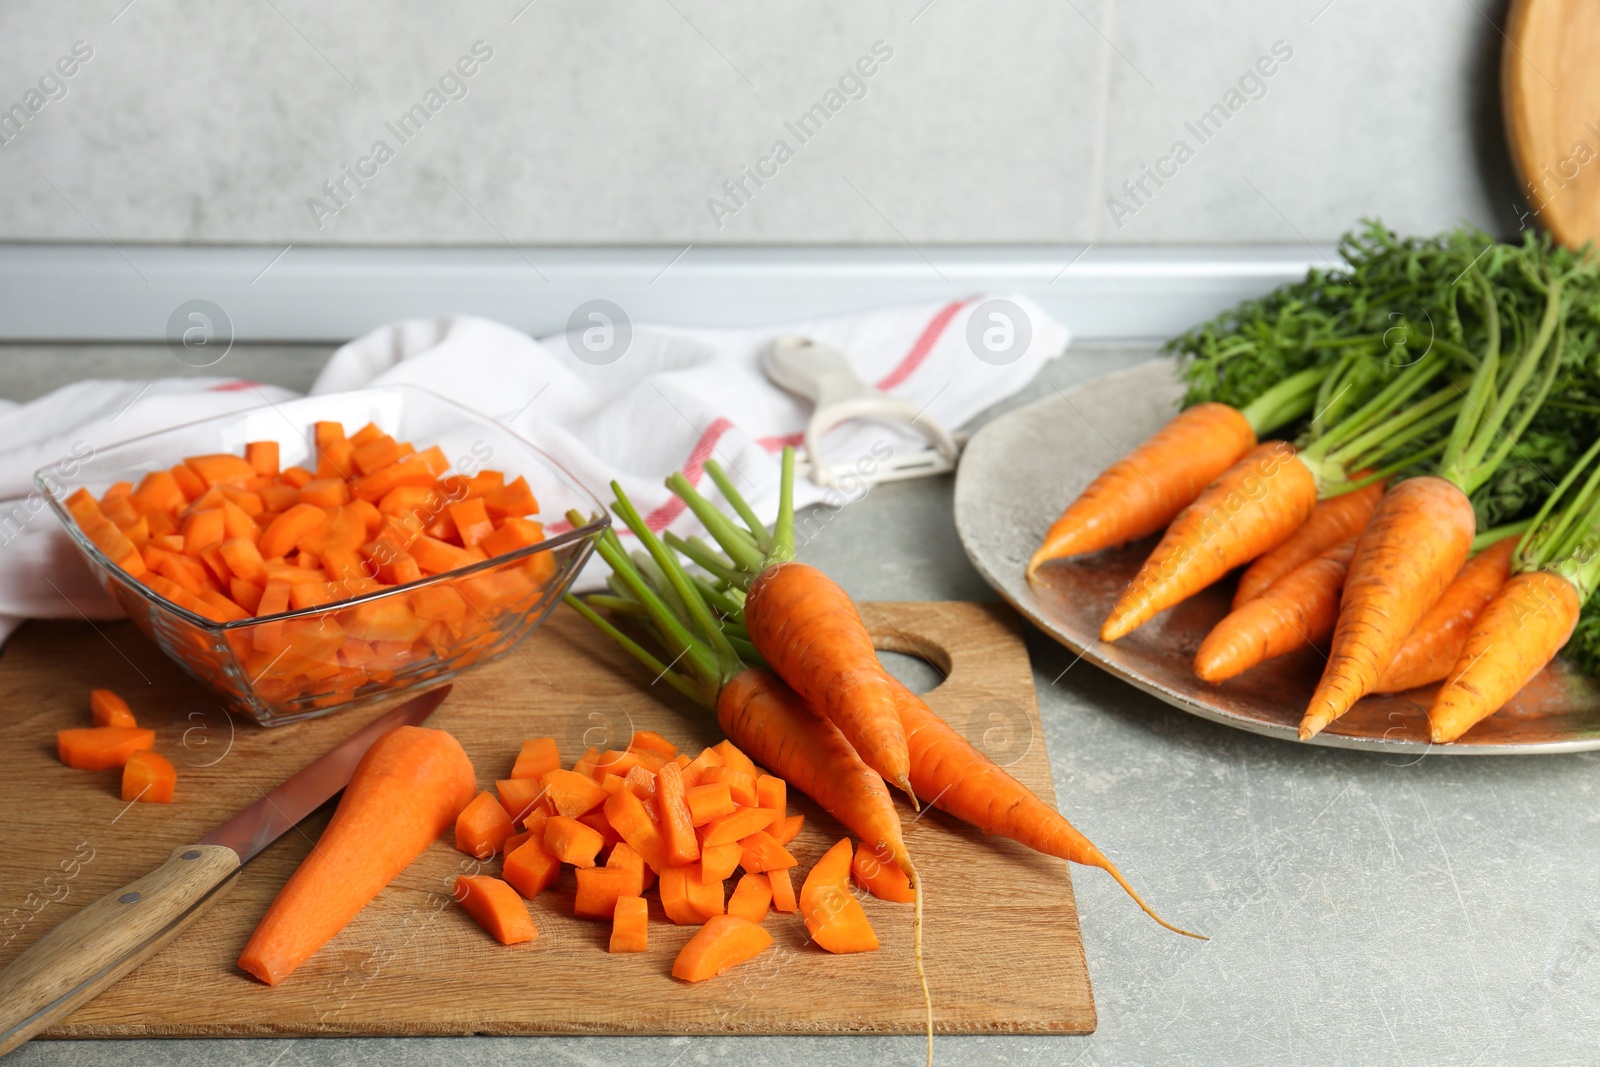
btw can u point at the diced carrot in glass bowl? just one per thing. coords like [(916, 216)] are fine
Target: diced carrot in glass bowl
[(315, 554)]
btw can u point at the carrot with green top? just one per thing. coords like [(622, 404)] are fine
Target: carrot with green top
[(1556, 569), (1145, 489), (1332, 522), (1421, 534), (1260, 502), (1298, 611), (1435, 645)]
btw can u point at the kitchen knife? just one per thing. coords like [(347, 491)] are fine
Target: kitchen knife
[(75, 962)]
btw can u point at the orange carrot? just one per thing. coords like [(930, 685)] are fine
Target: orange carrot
[(149, 777), (751, 898), (482, 827), (99, 748), (970, 786), (769, 721), (761, 852), (108, 709), (1410, 551), (1520, 631), (536, 758), (724, 941), (1435, 645), (1148, 487), (1296, 611), (405, 792), (881, 879), (807, 629), (1252, 508), (834, 917), (599, 889), (496, 907), (630, 925), (677, 828), (1332, 522)]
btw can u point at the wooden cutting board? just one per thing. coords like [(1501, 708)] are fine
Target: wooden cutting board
[(1001, 936), (1550, 92)]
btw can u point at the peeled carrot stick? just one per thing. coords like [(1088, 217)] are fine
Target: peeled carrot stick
[(1436, 644), (1520, 631), (1298, 610), (1144, 490), (964, 782), (805, 626), (1410, 551), (1332, 522), (405, 792), (1252, 508)]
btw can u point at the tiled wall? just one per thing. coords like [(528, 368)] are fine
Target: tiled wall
[(619, 121)]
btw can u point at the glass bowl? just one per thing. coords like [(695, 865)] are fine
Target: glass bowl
[(297, 664)]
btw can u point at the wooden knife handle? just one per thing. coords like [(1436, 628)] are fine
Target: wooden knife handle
[(73, 963)]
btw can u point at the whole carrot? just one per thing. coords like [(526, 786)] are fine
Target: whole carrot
[(1253, 507), (1145, 489), (959, 779), (1534, 613), (405, 792), (774, 726), (1408, 554), (1333, 521), (1422, 532), (1435, 645), (1299, 610), (1520, 631), (810, 633)]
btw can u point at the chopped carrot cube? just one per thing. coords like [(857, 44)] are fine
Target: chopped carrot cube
[(519, 795), (599, 889), (495, 906), (572, 842), (537, 757), (719, 861), (471, 520), (513, 500), (751, 898), (531, 868), (148, 776), (782, 890), (708, 802), (99, 748), (482, 827), (630, 925), (108, 709), (736, 827), (789, 829), (761, 852), (572, 794), (262, 457), (723, 942)]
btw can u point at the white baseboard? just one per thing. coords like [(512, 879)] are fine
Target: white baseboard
[(128, 293)]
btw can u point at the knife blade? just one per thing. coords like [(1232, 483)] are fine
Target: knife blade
[(91, 949)]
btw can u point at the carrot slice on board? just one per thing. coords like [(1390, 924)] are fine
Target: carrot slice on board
[(736, 827), (782, 891), (724, 941), (571, 841), (630, 925), (99, 748), (708, 802), (495, 906), (751, 898), (599, 889), (538, 757), (880, 877), (108, 709), (719, 861), (530, 867), (482, 827), (834, 917), (572, 794), (761, 852), (148, 776)]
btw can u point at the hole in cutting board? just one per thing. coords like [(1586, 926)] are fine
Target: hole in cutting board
[(914, 672)]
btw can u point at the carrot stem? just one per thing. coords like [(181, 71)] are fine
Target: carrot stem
[(705, 557), (699, 613), (733, 540), (731, 494), (1285, 401), (782, 550), (639, 652)]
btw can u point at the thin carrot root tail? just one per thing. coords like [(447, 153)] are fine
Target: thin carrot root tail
[(905, 784), (916, 952), (1111, 869)]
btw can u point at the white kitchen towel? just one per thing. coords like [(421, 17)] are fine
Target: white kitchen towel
[(607, 401)]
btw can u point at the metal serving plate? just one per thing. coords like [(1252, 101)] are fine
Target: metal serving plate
[(1017, 474)]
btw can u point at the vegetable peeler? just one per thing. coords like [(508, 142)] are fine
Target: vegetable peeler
[(823, 375)]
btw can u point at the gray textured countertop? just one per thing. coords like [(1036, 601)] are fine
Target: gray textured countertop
[(1363, 909)]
